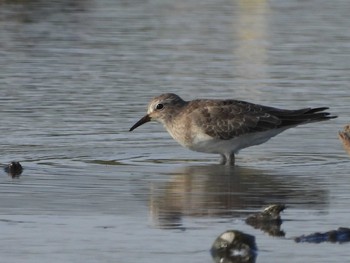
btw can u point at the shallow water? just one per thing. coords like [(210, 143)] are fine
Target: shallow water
[(76, 75)]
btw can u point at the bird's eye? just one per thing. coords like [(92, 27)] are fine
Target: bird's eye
[(159, 106)]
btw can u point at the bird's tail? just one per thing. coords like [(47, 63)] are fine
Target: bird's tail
[(303, 116)]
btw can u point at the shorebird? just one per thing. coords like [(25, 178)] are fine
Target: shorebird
[(344, 136), (224, 126)]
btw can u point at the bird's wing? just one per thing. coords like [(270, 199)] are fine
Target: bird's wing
[(230, 118)]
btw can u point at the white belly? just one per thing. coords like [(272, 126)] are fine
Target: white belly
[(207, 144)]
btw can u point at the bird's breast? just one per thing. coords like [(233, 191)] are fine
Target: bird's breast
[(180, 133)]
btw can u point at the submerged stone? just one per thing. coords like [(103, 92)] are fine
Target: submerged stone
[(341, 235), (269, 220)]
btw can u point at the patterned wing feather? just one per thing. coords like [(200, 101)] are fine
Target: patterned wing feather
[(228, 119)]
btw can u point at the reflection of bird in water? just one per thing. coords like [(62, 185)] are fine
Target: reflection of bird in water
[(220, 191), (344, 136)]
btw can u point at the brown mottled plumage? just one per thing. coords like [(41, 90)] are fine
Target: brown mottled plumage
[(344, 136), (224, 126)]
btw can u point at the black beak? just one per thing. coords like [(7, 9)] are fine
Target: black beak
[(145, 119)]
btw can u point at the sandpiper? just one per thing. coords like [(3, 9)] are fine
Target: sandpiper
[(344, 136), (224, 126)]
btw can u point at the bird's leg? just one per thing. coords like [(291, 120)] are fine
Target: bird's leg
[(223, 159), (230, 159)]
